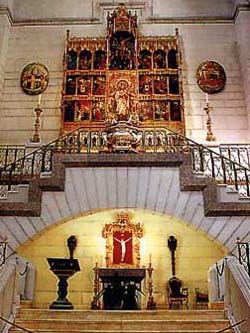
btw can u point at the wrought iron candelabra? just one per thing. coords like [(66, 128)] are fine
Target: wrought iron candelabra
[(210, 136)]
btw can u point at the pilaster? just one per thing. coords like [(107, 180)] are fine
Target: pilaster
[(242, 28), (5, 27)]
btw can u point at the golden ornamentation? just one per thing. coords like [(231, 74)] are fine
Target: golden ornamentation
[(123, 224), (123, 77), (34, 78), (211, 77)]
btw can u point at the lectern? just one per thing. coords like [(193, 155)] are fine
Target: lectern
[(63, 269)]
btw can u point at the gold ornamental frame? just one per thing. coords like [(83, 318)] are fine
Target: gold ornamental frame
[(123, 224)]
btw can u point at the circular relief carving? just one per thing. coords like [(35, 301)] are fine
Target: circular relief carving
[(34, 78), (211, 77)]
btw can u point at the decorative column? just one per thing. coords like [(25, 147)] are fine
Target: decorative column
[(5, 33), (242, 30), (151, 305)]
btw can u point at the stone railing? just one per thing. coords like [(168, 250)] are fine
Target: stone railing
[(17, 281), (125, 138), (8, 291), (237, 294), (230, 283), (216, 281)]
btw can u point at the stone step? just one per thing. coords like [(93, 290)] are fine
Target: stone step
[(103, 315), (124, 331), (121, 325), (26, 305)]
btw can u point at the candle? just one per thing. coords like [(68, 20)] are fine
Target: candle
[(39, 99), (207, 98), (150, 257)]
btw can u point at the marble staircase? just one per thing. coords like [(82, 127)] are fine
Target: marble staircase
[(86, 321)]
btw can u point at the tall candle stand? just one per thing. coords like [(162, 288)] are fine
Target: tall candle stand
[(151, 305), (95, 304), (36, 137), (210, 136)]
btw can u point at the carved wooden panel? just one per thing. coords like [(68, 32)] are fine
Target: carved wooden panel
[(148, 68)]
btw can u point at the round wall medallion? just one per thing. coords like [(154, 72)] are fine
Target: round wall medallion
[(34, 78), (211, 77)]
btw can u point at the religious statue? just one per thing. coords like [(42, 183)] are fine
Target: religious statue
[(83, 85), (122, 100), (122, 247)]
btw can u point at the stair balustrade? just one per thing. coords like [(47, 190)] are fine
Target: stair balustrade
[(239, 153), (17, 283), (8, 291), (237, 294), (222, 165), (244, 254), (10, 154), (235, 325), (12, 324)]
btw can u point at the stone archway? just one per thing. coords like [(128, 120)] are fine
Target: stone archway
[(194, 249)]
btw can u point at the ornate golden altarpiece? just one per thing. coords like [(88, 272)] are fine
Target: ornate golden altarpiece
[(122, 77)]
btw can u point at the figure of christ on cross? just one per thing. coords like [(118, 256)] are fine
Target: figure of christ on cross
[(122, 248)]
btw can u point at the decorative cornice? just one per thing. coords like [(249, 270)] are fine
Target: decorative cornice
[(6, 11), (189, 20), (239, 9), (148, 19), (57, 22)]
